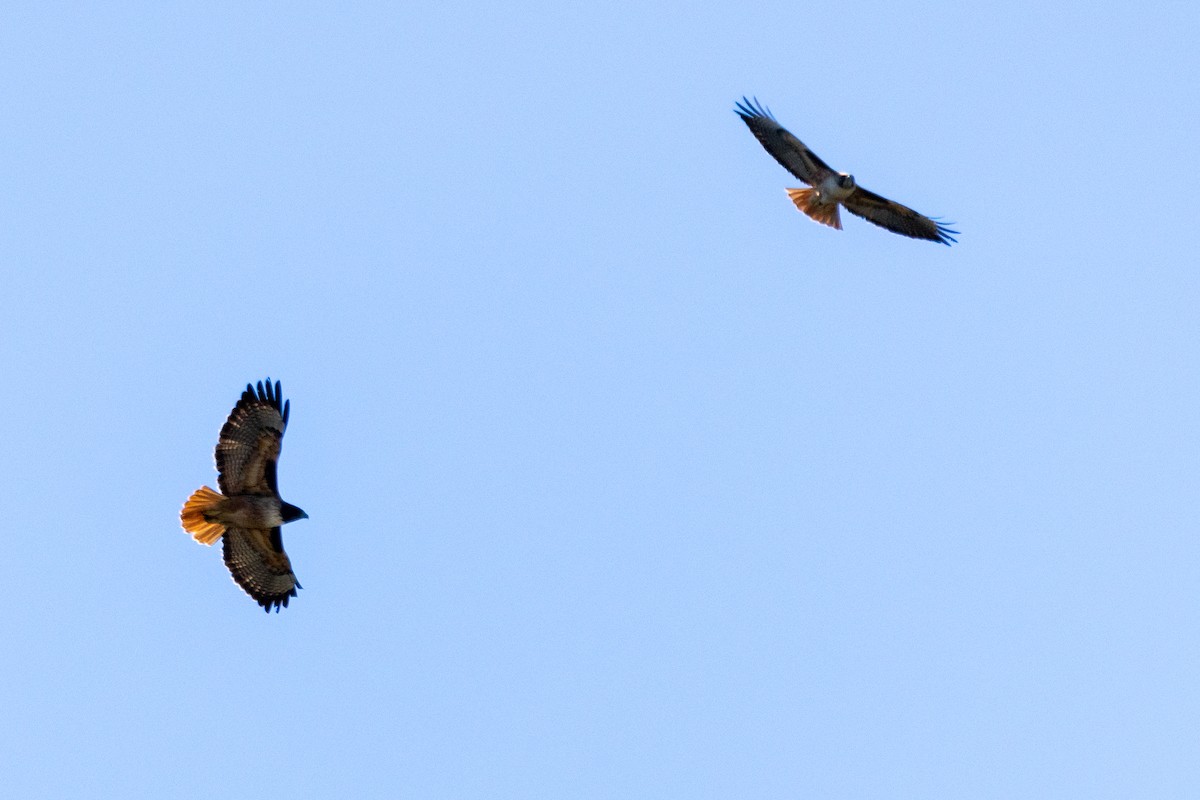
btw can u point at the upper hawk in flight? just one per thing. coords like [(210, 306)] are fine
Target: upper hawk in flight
[(250, 512), (833, 188)]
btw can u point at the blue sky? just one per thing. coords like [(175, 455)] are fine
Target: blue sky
[(625, 479)]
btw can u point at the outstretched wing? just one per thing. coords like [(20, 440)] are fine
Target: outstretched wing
[(897, 218), (248, 449), (258, 564), (789, 151)]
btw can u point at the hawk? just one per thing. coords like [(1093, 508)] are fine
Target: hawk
[(831, 189), (248, 511)]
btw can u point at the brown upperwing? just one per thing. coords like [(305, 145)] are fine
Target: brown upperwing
[(250, 440), (260, 566), (777, 140), (896, 218)]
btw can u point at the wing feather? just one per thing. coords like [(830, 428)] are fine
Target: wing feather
[(260, 566), (789, 151), (897, 218), (251, 438)]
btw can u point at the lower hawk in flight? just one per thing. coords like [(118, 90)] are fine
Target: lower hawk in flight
[(248, 512), (830, 188)]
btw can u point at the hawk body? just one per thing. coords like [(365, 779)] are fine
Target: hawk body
[(248, 512), (831, 189)]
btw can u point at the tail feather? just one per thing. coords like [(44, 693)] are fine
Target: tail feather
[(192, 516), (808, 201)]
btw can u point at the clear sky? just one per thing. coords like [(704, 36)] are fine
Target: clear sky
[(624, 478)]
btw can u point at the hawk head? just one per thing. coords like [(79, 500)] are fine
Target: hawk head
[(845, 180), (291, 513)]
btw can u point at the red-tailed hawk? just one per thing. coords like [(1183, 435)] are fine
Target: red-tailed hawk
[(250, 512), (833, 188)]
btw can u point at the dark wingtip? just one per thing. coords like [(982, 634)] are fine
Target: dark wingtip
[(749, 109), (268, 392), (270, 604), (277, 602)]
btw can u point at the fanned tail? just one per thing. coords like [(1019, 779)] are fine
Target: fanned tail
[(808, 201), (192, 516)]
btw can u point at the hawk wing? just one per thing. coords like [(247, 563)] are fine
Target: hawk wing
[(897, 218), (248, 449), (258, 564), (789, 151)]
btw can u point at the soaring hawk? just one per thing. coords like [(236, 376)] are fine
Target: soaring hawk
[(833, 188), (250, 512)]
